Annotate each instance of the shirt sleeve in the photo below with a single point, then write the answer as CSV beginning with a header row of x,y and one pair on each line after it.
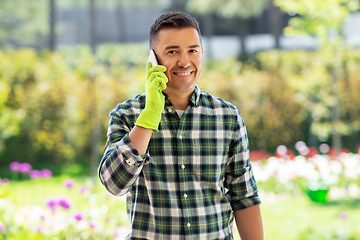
x,y
121,164
240,182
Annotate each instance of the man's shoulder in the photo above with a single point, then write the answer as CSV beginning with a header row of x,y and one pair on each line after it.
x,y
132,105
216,102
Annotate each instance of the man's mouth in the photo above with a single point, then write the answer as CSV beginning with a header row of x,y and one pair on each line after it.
x,y
182,73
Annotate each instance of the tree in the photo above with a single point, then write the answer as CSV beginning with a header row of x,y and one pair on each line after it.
x,y
275,23
324,20
9,117
52,24
242,10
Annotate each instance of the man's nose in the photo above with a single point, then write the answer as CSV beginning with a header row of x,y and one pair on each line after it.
x,y
184,61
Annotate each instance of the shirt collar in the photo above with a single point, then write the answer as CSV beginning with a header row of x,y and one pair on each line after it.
x,y
194,99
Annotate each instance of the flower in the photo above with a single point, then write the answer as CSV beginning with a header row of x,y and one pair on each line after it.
x,y
324,148
64,202
343,216
14,166
259,154
33,174
357,148
46,173
91,225
78,216
2,227
300,145
69,183
281,150
5,181
51,202
83,189
25,167
312,151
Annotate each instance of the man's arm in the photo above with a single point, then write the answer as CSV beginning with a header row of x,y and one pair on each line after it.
x,y
249,223
140,138
124,152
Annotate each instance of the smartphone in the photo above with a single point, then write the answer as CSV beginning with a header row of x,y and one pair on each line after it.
x,y
152,58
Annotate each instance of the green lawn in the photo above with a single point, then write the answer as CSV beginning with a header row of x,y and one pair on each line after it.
x,y
299,218
284,216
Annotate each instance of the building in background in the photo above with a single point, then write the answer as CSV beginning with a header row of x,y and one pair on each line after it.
x,y
132,26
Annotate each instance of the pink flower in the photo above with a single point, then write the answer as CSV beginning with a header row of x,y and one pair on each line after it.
x,y
25,167
78,216
83,189
69,183
2,227
64,202
46,173
91,225
5,181
281,150
51,202
14,166
33,174
343,216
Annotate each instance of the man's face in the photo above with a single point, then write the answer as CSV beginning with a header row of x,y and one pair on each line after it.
x,y
180,51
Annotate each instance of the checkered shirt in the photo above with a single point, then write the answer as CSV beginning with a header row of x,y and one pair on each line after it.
x,y
195,173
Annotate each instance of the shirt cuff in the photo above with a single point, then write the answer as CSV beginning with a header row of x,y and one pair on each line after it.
x,y
245,203
134,159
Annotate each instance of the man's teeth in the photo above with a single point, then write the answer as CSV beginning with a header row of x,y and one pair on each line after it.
x,y
183,74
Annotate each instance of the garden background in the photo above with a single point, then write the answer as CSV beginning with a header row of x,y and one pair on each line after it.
x,y
300,108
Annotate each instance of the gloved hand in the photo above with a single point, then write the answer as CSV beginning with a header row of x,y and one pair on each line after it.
x,y
150,117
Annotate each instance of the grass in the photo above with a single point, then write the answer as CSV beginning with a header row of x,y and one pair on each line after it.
x,y
284,216
297,216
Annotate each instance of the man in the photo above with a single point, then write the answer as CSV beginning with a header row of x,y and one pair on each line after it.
x,y
180,154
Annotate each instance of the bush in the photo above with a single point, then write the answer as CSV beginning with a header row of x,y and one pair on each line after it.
x,y
59,102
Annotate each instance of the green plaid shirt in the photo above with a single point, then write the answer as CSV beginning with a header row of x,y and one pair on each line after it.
x,y
195,174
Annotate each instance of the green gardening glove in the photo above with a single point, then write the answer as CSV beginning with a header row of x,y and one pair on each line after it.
x,y
156,81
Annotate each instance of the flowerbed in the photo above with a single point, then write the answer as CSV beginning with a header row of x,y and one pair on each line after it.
x,y
82,209
71,211
309,171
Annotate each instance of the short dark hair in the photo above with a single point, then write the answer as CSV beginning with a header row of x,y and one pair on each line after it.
x,y
172,20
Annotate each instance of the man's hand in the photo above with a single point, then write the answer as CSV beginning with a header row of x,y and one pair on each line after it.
x,y
156,81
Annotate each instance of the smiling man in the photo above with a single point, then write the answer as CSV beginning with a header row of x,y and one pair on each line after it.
x,y
180,154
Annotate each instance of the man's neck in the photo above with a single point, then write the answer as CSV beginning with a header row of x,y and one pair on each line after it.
x,y
179,101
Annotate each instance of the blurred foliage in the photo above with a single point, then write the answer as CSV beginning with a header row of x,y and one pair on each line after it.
x,y
322,19
59,96
306,73
326,21
51,101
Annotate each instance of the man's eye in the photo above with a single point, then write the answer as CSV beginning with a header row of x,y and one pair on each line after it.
x,y
193,51
172,51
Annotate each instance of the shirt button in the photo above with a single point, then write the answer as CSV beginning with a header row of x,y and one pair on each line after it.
x,y
188,225
185,195
183,166
170,110
180,137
